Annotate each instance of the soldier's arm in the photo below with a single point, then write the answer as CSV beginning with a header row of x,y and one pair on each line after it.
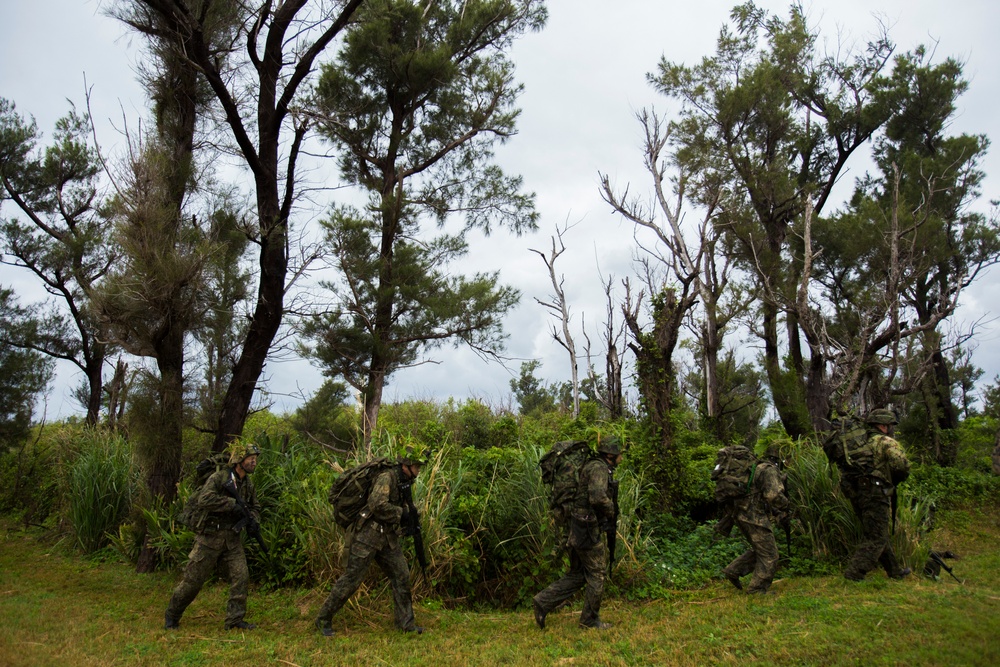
x,y
252,501
213,498
596,478
379,506
899,466
773,489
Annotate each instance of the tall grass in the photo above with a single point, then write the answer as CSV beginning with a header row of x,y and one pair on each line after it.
x,y
826,517
102,481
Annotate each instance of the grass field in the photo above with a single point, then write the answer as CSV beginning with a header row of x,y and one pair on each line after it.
x,y
57,608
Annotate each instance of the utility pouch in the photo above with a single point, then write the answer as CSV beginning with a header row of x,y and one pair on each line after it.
x,y
584,532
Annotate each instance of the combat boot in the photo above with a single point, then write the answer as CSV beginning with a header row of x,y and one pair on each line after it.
x,y
901,574
419,629
539,615
325,628
170,623
599,625
733,579
241,625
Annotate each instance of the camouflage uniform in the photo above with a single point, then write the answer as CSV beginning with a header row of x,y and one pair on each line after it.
x,y
215,541
871,496
376,537
755,515
592,510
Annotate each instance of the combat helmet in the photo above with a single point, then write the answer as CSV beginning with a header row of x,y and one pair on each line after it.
x,y
414,454
240,451
609,446
881,416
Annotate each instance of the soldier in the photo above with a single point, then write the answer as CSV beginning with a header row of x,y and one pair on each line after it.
x,y
376,536
592,515
871,487
755,514
218,520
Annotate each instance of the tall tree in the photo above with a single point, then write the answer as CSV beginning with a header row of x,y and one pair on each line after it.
x,y
271,53
24,373
415,103
62,239
776,122
912,228
559,308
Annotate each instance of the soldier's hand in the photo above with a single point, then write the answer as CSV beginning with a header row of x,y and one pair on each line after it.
x,y
253,526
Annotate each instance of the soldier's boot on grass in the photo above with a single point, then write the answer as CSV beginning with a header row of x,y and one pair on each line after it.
x,y
170,623
539,614
325,627
733,578
901,573
241,625
599,625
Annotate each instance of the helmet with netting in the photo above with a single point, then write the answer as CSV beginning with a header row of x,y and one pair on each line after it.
x,y
240,451
882,416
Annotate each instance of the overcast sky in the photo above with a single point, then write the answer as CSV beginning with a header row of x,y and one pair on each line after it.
x,y
585,78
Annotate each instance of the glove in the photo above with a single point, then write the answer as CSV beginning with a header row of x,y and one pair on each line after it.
x,y
253,526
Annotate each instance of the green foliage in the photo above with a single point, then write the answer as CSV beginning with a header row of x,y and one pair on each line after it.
x,y
951,487
29,477
103,482
24,373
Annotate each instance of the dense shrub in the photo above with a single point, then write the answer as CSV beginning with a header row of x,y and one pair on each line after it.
x,y
102,483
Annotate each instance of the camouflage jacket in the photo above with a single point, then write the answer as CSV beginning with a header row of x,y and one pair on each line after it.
x,y
889,459
592,498
379,523
766,502
216,509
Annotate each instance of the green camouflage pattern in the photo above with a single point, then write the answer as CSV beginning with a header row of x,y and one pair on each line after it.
x,y
588,554
871,498
755,516
216,542
376,538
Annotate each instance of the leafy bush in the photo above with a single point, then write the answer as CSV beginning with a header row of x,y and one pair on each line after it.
x,y
103,481
952,487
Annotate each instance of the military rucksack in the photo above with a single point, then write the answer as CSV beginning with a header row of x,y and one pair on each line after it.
x,y
349,492
191,514
846,444
561,466
733,472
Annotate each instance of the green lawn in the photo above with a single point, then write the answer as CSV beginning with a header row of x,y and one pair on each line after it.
x,y
61,609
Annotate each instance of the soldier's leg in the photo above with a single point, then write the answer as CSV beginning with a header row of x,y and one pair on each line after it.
x,y
200,565
744,563
393,563
565,587
873,511
357,564
239,578
595,565
766,551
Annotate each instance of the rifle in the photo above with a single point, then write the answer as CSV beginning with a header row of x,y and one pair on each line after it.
x,y
892,501
612,530
936,557
248,522
411,524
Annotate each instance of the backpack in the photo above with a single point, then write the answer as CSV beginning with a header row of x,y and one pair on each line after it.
x,y
846,445
349,492
191,515
561,466
733,472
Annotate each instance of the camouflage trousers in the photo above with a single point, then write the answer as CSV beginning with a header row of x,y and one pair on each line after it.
x,y
761,558
587,568
208,551
389,556
873,508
